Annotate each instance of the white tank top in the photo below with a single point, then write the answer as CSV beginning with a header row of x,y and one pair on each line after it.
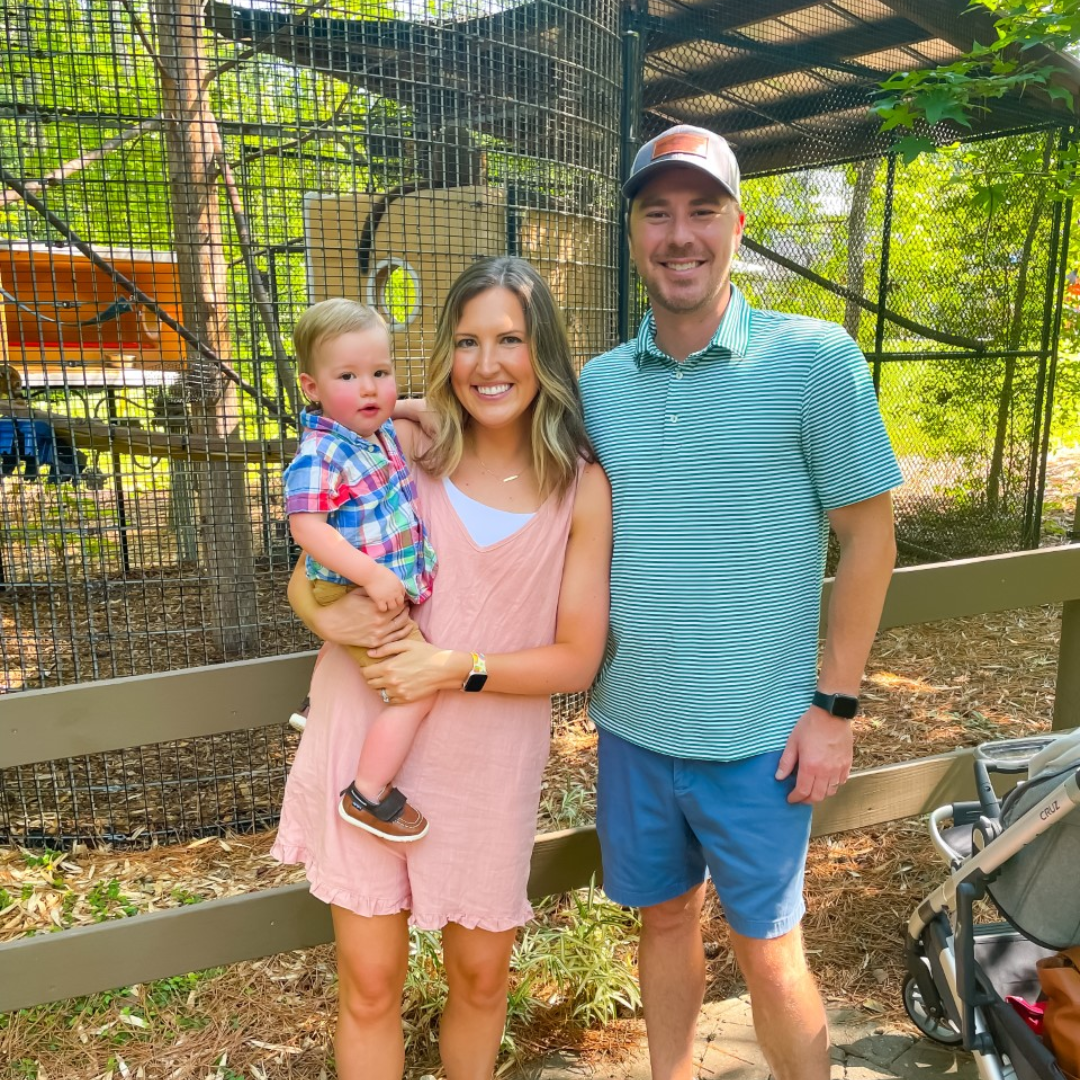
x,y
484,524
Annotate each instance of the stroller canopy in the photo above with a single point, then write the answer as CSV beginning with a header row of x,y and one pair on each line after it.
x,y
1038,889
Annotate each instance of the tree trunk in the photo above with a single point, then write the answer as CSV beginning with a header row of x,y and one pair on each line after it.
x,y
225,528
1016,326
865,171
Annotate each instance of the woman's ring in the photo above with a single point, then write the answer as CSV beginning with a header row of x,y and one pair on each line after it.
x,y
385,696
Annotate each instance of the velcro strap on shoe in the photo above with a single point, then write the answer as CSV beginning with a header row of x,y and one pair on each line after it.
x,y
387,809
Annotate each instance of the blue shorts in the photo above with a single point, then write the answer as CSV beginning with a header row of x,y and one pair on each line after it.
x,y
663,820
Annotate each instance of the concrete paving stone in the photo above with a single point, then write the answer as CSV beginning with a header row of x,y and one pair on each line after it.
x,y
856,1068
881,1049
718,1064
734,1011
726,1049
848,1027
843,1017
928,1059
718,1008
739,1042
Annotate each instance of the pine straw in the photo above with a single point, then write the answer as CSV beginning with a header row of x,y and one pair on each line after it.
x,y
930,690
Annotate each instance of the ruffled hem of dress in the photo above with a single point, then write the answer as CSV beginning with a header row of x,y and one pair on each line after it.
x,y
424,920
329,893
368,906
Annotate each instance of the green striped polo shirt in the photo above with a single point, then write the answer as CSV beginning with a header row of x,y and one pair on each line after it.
x,y
722,469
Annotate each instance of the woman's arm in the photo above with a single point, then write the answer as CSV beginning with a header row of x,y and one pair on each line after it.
x,y
416,669
352,620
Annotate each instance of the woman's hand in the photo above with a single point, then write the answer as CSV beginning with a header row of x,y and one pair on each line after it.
x,y
352,620
415,669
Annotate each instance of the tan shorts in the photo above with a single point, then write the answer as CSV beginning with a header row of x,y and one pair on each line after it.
x,y
329,592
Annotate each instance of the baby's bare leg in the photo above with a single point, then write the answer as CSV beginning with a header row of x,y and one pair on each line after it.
x,y
387,745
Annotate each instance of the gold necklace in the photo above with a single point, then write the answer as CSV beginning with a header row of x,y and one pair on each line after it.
x,y
496,476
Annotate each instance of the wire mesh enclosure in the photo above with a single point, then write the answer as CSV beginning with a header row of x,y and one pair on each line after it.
x,y
181,179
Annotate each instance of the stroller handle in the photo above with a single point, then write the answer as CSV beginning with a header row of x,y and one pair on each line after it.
x,y
945,849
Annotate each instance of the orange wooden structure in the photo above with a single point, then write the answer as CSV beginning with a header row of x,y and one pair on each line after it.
x,y
66,322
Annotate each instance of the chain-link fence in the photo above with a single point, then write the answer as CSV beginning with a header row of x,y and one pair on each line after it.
x,y
180,180
949,307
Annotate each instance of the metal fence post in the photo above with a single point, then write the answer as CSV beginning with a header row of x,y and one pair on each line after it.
x,y
630,125
1067,692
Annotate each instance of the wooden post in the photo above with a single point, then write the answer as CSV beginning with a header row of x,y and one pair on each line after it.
x,y
1067,692
191,134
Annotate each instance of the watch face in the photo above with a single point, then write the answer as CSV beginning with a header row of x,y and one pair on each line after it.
x,y
845,707
475,682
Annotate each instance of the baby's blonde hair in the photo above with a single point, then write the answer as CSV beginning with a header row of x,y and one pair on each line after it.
x,y
327,320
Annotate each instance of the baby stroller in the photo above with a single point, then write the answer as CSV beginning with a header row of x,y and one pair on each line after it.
x,y
1024,853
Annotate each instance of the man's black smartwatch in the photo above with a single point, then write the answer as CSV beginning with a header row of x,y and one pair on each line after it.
x,y
843,705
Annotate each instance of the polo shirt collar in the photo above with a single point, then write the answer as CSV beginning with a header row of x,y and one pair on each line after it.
x,y
732,337
313,421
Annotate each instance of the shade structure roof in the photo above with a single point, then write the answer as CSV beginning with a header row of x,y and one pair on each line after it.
x,y
789,82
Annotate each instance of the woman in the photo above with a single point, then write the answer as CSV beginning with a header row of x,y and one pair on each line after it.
x,y
521,519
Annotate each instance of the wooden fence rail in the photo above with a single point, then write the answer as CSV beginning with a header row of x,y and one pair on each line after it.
x,y
115,714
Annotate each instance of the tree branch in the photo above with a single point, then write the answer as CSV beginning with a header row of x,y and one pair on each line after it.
x,y
144,37
292,144
64,172
286,378
248,53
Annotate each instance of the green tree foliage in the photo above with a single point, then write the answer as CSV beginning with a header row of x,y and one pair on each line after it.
x,y
1017,63
76,75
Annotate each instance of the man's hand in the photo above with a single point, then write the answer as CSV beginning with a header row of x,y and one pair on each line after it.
x,y
818,751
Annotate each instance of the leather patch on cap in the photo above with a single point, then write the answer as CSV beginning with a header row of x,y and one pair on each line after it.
x,y
681,142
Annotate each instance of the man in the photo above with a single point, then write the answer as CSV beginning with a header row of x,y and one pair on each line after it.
x,y
733,438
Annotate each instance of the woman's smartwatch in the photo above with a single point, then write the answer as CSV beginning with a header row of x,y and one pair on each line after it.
x,y
842,705
476,678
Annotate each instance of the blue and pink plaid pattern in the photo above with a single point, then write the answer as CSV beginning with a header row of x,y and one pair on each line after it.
x,y
364,488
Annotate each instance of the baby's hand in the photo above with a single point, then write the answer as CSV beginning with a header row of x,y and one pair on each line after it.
x,y
386,590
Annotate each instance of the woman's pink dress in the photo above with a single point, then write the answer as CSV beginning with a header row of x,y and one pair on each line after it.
x,y
476,765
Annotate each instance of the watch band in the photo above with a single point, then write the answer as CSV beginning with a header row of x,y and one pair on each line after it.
x,y
474,681
843,706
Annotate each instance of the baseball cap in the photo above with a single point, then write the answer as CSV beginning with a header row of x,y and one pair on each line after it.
x,y
685,145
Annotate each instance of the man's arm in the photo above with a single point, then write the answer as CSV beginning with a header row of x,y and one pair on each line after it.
x,y
820,746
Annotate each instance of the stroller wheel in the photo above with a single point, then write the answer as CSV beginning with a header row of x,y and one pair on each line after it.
x,y
938,1028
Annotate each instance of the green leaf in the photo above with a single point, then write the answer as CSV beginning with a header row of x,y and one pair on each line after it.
x,y
901,116
991,197
1059,93
944,106
912,146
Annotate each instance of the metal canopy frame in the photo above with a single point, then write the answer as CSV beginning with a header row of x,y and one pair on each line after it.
x,y
789,82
